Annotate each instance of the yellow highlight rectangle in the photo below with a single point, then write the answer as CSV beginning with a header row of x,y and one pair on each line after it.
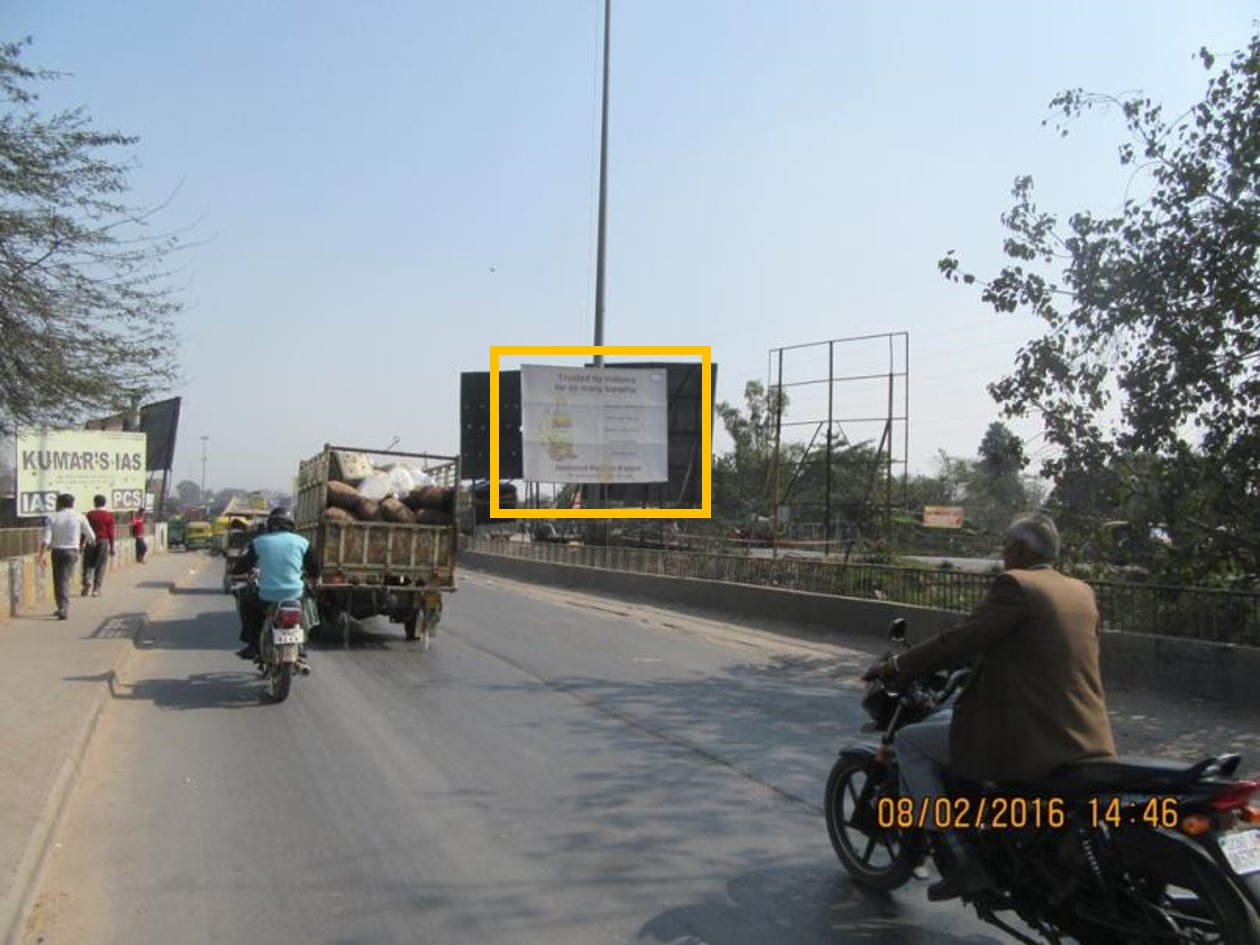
x,y
704,352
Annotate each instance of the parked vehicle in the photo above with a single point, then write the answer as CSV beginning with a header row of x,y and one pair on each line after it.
x,y
384,527
1125,850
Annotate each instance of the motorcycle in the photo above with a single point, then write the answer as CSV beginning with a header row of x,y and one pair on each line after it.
x,y
281,645
1122,851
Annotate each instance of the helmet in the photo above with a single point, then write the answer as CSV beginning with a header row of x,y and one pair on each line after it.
x,y
280,519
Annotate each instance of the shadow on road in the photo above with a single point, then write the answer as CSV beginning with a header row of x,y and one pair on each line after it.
x,y
230,690
119,627
233,690
199,591
370,634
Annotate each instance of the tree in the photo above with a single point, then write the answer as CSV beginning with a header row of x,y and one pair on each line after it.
x,y
188,491
1148,377
995,488
85,304
740,478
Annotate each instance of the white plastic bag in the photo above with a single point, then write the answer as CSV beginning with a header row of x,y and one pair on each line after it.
x,y
375,486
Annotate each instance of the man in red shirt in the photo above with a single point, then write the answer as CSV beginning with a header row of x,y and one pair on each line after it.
x,y
96,555
137,532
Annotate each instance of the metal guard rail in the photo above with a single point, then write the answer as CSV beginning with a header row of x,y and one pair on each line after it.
x,y
1166,610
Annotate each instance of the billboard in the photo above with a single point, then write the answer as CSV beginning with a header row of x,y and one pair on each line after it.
x,y
84,463
474,425
686,424
594,424
159,421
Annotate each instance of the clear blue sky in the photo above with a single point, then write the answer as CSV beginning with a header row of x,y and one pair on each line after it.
x,y
379,191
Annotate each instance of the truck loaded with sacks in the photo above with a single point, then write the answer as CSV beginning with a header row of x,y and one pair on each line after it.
x,y
384,528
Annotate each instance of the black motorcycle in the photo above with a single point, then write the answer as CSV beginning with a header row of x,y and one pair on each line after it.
x,y
1125,851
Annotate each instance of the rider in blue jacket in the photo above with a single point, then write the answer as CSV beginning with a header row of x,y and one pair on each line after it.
x,y
282,558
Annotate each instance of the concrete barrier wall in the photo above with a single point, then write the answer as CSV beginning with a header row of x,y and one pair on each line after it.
x,y
1216,671
26,587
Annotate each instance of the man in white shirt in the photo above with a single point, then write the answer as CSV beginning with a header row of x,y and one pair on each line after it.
x,y
65,532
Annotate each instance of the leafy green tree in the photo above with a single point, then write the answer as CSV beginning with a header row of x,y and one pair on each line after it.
x,y
188,491
741,477
85,304
1148,375
995,487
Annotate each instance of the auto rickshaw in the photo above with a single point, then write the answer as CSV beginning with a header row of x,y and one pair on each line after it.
x,y
198,535
241,530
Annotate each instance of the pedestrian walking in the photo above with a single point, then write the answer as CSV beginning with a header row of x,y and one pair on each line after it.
x,y
137,532
96,555
65,532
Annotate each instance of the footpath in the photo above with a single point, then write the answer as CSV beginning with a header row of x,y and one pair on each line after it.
x,y
54,684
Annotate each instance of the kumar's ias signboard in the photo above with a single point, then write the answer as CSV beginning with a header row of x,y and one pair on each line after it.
x,y
84,463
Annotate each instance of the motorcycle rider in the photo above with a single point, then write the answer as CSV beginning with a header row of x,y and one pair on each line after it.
x,y
1035,698
282,558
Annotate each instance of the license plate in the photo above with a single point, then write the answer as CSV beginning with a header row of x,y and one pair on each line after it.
x,y
1242,850
283,637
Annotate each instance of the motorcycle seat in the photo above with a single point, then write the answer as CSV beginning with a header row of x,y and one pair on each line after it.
x,y
1081,779
1135,773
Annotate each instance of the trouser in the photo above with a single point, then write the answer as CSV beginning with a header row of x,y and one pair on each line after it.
x,y
253,612
142,549
95,561
923,756
63,563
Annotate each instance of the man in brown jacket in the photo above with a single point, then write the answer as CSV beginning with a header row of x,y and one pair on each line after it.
x,y
1035,698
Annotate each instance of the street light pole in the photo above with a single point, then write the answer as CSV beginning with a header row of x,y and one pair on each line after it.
x,y
603,194
204,441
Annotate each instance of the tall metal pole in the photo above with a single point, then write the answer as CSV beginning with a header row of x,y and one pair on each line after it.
x,y
831,389
204,441
603,192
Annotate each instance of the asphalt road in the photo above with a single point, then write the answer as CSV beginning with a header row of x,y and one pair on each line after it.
x,y
554,770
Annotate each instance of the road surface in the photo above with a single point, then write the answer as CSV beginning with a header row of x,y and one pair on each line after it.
x,y
558,769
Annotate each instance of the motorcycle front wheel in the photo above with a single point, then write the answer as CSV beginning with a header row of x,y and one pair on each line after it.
x,y
876,858
279,679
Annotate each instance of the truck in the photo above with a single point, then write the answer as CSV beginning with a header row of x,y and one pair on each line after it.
x,y
383,549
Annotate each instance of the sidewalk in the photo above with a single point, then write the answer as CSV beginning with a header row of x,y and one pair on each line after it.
x,y
54,678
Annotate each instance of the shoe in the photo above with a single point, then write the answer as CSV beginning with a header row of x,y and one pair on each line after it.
x,y
248,652
964,880
96,592
62,615
85,592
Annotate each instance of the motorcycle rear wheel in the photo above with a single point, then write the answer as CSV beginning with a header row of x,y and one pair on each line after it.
x,y
279,680
875,858
1212,914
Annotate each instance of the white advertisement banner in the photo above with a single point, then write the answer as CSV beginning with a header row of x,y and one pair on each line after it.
x,y
84,463
594,424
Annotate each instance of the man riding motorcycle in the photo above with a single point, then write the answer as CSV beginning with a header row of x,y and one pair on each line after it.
x,y
282,558
1035,698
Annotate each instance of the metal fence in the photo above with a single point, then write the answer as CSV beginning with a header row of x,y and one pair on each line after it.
x,y
1197,613
16,542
